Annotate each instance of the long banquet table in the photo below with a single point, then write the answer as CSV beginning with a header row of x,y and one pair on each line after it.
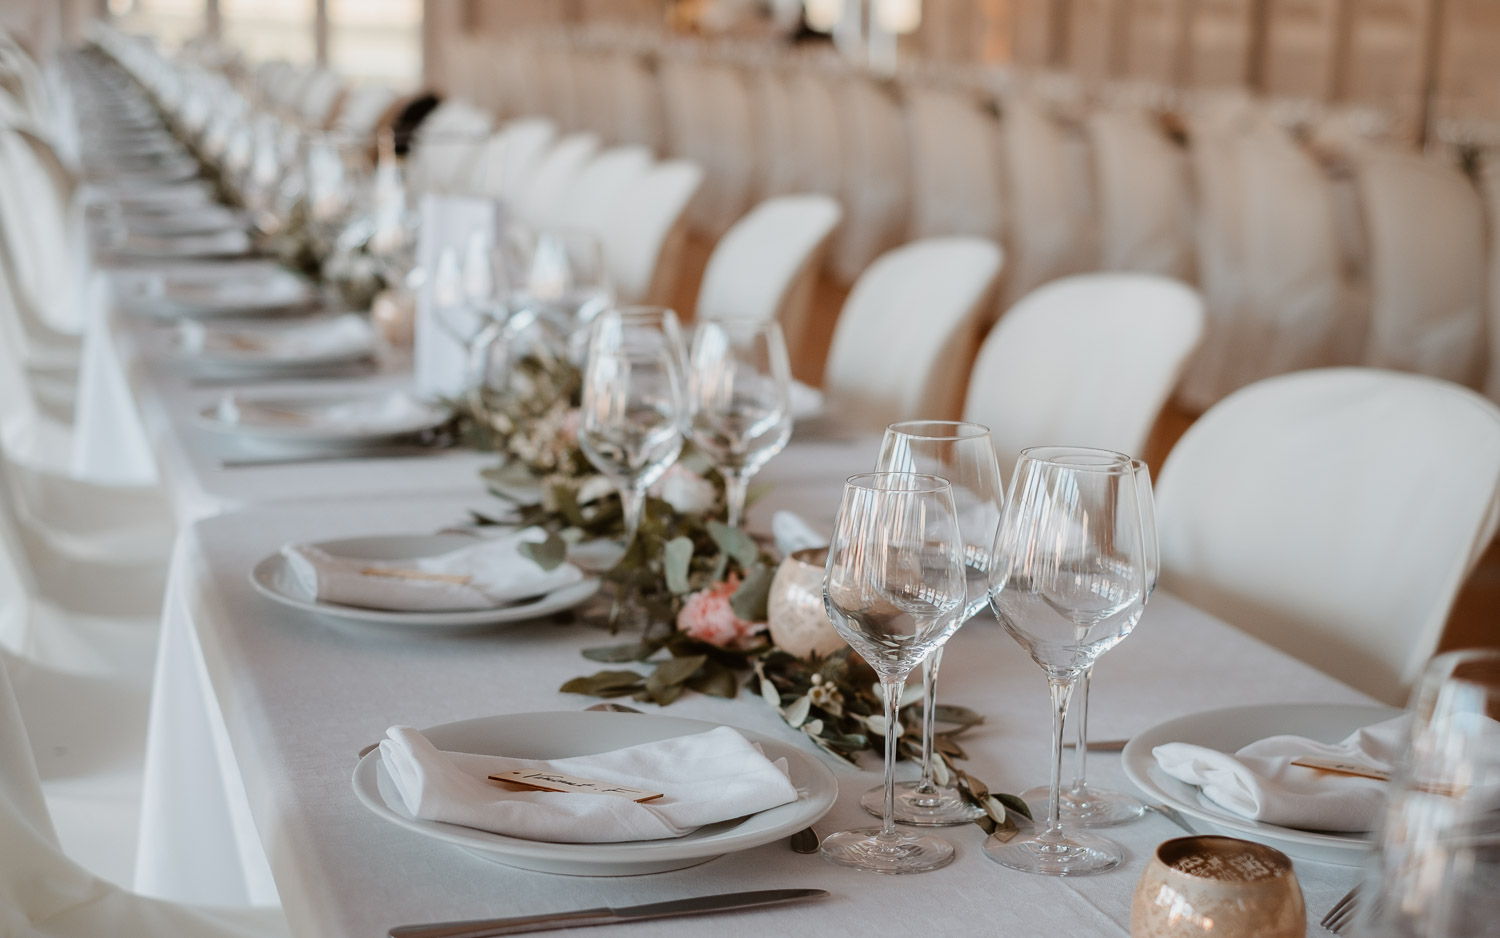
x,y
259,713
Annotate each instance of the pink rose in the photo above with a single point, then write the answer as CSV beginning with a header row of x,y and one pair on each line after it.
x,y
571,423
708,617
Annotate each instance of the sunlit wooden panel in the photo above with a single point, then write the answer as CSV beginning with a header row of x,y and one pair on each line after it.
x,y
1218,49
1387,48
1155,33
1093,40
376,40
270,29
170,21
1469,72
1300,48
1031,32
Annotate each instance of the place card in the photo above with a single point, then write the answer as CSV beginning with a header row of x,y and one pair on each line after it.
x,y
1343,767
395,573
556,781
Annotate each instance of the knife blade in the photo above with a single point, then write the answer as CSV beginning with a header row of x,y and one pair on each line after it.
x,y
722,902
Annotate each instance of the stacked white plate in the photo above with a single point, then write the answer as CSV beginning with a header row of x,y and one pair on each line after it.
x,y
224,289
320,421
273,348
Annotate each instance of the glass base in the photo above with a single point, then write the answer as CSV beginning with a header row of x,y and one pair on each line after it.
x,y
1087,806
1075,853
942,808
865,849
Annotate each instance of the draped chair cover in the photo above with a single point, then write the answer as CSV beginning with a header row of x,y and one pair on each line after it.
x,y
1144,193
818,146
776,135
1050,225
44,894
1268,260
1490,186
728,144
321,97
41,220
877,165
1426,235
1334,513
1088,360
539,202
450,146
765,265
907,334
955,165
363,109
593,195
511,156
636,101
644,235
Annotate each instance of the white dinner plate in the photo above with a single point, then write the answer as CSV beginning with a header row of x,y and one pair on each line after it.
x,y
238,288
272,579
578,733
262,348
219,244
1233,728
194,219
321,420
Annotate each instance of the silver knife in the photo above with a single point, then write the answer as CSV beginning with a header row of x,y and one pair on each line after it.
x,y
484,928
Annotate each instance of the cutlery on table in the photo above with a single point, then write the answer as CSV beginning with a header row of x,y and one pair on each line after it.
x,y
1171,814
1342,912
484,928
395,452
1101,745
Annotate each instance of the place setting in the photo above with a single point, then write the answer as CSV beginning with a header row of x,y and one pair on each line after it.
x,y
217,289
282,348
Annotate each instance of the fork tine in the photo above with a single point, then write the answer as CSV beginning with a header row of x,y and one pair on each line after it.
x,y
1342,912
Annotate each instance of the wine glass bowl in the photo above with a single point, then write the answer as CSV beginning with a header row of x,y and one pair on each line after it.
x,y
895,591
1068,582
739,381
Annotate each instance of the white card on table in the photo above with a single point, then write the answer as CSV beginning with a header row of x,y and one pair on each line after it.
x,y
450,224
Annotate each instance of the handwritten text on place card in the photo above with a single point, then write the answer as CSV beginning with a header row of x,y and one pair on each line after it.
x,y
556,781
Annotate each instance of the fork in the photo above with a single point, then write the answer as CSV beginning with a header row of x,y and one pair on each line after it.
x,y
1342,913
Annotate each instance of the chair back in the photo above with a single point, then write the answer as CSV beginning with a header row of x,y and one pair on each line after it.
x,y
955,165
909,329
1334,513
1051,224
592,196
644,235
540,201
765,266
877,164
1426,236
1144,196
1489,182
1087,360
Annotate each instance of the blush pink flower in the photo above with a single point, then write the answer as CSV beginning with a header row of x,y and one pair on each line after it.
x,y
708,617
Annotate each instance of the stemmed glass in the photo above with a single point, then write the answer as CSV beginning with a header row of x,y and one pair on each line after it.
x,y
738,400
1068,582
894,590
633,402
963,454
564,280
1083,804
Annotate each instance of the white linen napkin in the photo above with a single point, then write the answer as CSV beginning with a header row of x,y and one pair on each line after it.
x,y
497,574
1259,781
706,778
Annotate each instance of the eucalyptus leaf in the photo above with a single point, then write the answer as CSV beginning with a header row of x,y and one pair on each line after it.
x,y
619,654
749,602
734,542
677,670
716,680
994,809
950,713
1013,803
940,773
677,557
602,681
548,554
664,694
797,713
769,692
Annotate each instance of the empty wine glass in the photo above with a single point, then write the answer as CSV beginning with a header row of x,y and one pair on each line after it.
x,y
1436,866
633,402
564,278
963,454
894,590
1068,582
1082,804
740,411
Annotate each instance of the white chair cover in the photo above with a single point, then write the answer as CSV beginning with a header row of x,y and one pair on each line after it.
x,y
1426,231
1145,211
644,235
321,96
40,219
1050,223
512,156
1268,261
1088,360
766,265
818,146
449,147
1490,186
956,167
592,196
43,894
362,109
909,330
728,142
777,134
1334,513
540,202
878,172
637,102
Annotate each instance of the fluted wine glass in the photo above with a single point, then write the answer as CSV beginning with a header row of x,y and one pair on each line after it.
x,y
963,454
1068,582
1082,804
633,402
894,589
739,384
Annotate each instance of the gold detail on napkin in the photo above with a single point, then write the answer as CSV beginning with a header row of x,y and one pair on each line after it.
x,y
556,781
1362,770
395,573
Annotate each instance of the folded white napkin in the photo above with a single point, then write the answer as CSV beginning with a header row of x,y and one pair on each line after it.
x,y
394,413
706,778
1259,781
497,574
804,401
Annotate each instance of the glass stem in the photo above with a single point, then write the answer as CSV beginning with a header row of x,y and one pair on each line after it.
x,y
632,503
735,486
1081,718
892,687
1061,686
929,718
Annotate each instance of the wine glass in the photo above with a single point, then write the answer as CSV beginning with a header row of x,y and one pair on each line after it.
x,y
894,590
633,402
738,403
1081,803
1437,863
1068,582
963,454
564,279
